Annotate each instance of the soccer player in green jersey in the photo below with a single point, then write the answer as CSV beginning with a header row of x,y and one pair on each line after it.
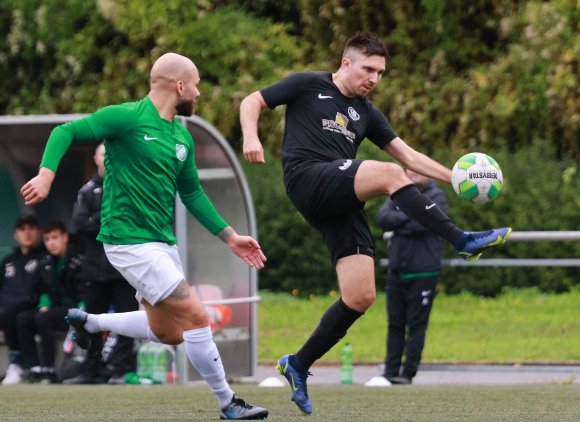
x,y
150,158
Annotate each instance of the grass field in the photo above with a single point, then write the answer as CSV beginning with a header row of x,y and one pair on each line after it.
x,y
518,326
552,402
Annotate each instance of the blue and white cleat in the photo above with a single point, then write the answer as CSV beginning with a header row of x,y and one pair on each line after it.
x,y
297,381
77,319
238,409
474,243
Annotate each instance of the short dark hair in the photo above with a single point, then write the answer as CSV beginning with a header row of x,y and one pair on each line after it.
x,y
26,220
54,225
366,43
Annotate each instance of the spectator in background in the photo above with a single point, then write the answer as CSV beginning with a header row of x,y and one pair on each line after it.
x,y
60,290
19,288
104,285
414,265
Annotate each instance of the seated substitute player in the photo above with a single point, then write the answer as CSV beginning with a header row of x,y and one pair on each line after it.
x,y
61,289
328,115
19,289
149,158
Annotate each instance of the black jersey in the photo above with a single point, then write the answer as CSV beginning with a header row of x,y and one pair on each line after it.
x,y
321,123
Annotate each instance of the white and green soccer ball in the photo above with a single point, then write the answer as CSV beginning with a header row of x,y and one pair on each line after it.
x,y
477,178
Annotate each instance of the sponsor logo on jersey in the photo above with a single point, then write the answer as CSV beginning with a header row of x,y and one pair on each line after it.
x,y
339,125
180,152
353,114
148,138
324,97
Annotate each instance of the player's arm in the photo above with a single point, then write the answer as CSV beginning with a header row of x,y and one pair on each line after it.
x,y
199,205
250,108
282,92
417,161
60,139
106,123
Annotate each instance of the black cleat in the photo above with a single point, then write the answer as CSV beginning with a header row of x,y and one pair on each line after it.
x,y
77,319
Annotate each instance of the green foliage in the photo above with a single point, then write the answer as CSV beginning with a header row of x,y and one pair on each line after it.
x,y
499,77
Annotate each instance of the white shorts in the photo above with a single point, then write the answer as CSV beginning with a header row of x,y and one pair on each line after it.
x,y
153,269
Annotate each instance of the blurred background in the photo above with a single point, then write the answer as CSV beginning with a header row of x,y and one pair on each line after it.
x,y
489,76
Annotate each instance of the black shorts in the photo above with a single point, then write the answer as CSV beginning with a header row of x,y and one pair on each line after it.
x,y
324,195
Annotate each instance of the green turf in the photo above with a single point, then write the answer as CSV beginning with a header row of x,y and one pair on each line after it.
x,y
549,402
519,326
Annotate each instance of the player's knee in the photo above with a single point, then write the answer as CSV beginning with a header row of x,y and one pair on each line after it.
x,y
363,301
368,299
392,176
396,173
172,338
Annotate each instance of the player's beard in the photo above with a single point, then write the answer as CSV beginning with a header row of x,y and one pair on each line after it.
x,y
185,108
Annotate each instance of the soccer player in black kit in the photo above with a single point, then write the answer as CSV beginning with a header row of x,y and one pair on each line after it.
x,y
327,117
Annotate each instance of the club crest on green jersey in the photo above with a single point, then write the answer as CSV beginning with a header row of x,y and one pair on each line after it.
x,y
180,152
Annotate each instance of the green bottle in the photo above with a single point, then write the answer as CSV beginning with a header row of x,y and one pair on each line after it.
x,y
346,361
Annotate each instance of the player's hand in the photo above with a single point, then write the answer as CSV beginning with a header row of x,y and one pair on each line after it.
x,y
253,151
36,189
247,248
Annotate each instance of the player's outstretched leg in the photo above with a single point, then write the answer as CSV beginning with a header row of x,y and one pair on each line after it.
x,y
472,244
297,381
77,319
240,409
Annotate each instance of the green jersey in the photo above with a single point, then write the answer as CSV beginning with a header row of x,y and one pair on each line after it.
x,y
147,159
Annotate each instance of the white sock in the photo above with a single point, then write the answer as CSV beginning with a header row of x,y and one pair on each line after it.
x,y
205,358
129,324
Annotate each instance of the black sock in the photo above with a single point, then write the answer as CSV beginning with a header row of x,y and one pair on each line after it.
x,y
332,327
421,209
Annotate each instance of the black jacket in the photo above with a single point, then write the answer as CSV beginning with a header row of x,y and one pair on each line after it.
x,y
414,249
64,291
19,279
85,224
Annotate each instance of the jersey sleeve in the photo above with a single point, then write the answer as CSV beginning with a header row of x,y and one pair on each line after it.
x,y
286,90
379,131
107,123
195,199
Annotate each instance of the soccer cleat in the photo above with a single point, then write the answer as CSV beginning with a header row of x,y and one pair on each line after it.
x,y
240,409
477,242
77,319
297,381
400,380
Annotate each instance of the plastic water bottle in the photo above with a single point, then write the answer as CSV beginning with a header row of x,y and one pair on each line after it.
x,y
143,360
150,365
346,361
161,363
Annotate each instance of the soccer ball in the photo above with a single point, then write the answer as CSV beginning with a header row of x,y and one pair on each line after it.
x,y
477,178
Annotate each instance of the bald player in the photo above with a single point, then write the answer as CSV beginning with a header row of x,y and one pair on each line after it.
x,y
149,158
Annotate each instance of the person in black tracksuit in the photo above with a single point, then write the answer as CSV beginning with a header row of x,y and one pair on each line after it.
x,y
104,286
19,288
61,289
414,265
